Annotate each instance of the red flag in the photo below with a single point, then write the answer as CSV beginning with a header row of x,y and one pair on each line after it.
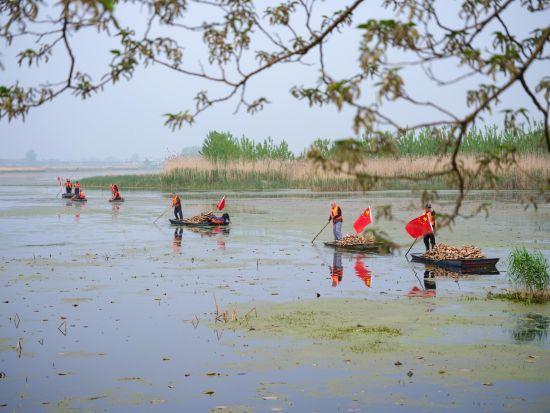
x,y
419,226
364,219
221,204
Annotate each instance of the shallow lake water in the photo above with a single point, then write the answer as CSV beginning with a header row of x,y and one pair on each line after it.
x,y
100,309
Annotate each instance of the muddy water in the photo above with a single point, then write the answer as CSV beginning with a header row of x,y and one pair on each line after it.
x,y
102,309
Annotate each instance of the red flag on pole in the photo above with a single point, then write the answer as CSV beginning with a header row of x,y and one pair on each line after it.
x,y
364,219
221,204
419,226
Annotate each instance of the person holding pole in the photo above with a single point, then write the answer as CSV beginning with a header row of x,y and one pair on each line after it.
x,y
337,219
429,237
176,203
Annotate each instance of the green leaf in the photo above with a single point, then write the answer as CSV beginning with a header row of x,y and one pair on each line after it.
x,y
108,5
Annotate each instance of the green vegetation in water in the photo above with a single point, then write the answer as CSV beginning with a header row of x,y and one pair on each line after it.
x,y
528,272
219,177
450,335
521,297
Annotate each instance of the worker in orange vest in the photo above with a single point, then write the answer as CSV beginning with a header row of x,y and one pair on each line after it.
x,y
337,219
76,188
429,238
176,203
68,186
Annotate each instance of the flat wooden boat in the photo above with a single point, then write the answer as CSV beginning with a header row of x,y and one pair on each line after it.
x,y
79,199
372,247
185,223
465,265
66,195
116,201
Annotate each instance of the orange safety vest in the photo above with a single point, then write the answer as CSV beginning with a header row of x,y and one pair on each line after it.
x,y
176,201
77,185
68,184
82,195
334,214
431,217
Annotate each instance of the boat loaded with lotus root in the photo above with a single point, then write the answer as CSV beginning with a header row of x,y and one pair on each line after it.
x,y
353,242
466,259
204,219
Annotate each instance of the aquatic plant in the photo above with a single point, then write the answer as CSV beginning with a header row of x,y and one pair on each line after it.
x,y
528,270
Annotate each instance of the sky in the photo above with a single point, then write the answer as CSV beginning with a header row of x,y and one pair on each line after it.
x,y
126,118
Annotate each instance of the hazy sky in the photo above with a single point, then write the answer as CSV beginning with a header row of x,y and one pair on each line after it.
x,y
127,118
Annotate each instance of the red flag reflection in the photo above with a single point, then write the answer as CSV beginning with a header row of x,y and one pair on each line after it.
x,y
362,272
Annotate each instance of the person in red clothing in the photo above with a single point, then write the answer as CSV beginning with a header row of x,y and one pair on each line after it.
x,y
76,188
176,203
223,220
68,186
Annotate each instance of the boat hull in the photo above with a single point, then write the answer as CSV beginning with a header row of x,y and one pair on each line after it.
x,y
376,248
184,223
476,265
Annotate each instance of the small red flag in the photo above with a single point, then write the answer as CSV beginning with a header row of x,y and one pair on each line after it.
x,y
419,226
364,219
221,204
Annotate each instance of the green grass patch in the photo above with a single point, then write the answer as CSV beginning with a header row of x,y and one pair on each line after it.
x,y
346,333
521,297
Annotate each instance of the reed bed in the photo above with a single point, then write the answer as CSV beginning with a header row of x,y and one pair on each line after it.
x,y
197,173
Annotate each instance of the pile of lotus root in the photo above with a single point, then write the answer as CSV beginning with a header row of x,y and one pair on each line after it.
x,y
352,239
198,219
448,252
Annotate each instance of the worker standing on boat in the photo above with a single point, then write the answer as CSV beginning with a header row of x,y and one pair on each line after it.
x,y
337,219
68,186
76,188
176,203
116,196
429,237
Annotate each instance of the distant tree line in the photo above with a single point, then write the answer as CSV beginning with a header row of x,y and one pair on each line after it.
x,y
223,146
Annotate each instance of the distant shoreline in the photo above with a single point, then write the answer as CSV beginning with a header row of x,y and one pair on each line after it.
x,y
201,174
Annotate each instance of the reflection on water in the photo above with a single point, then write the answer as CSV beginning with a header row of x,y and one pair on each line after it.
x,y
115,209
336,270
362,272
209,231
427,286
176,244
533,327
